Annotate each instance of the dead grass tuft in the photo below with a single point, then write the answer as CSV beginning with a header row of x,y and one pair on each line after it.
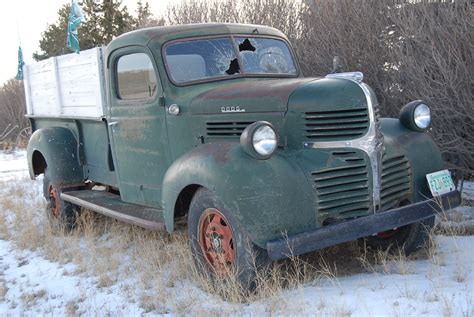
x,y
30,299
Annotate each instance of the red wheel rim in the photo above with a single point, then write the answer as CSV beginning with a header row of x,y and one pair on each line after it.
x,y
53,201
216,240
388,234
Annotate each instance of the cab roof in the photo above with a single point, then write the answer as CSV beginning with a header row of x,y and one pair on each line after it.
x,y
162,34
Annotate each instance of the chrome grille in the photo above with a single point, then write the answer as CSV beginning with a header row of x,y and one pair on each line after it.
x,y
336,125
226,129
343,191
396,181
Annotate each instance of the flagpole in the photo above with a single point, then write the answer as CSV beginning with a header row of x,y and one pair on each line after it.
x,y
18,31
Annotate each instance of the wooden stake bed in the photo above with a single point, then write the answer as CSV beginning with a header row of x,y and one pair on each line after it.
x,y
111,205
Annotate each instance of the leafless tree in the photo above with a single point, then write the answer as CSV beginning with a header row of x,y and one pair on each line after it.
x,y
12,108
406,49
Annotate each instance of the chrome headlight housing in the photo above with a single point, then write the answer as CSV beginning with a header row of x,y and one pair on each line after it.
x,y
259,140
416,116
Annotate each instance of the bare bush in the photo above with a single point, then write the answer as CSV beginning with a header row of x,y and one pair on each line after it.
x,y
435,62
282,14
13,124
407,50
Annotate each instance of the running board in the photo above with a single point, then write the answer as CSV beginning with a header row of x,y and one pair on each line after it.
x,y
111,205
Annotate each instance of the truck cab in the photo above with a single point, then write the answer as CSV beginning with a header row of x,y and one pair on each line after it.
x,y
216,125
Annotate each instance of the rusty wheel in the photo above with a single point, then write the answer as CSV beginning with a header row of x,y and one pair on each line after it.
x,y
216,240
61,214
53,202
387,234
218,243
408,238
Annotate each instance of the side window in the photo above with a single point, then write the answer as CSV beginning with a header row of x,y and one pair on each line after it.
x,y
136,78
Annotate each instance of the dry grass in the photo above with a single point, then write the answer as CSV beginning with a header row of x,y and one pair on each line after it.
x,y
30,299
161,265
162,262
386,261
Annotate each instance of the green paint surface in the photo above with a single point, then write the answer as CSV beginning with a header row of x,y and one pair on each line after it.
x,y
152,156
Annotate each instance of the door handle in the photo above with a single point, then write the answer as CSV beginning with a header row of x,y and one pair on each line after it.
x,y
112,123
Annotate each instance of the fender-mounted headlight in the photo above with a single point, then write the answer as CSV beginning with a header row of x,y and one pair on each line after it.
x,y
259,140
416,116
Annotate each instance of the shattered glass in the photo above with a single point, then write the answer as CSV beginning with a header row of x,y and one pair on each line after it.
x,y
217,57
265,56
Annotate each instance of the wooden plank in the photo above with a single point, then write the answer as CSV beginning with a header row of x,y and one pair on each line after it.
x,y
57,84
26,83
41,66
100,79
80,112
71,85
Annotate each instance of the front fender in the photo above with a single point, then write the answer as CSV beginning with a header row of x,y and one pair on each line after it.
x,y
59,148
264,195
419,148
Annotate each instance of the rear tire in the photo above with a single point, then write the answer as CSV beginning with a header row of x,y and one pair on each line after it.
x,y
219,245
408,239
61,214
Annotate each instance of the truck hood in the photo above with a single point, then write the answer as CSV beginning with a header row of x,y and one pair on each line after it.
x,y
250,96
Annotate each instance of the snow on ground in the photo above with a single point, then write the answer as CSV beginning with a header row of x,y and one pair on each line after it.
x,y
13,165
441,284
468,190
35,286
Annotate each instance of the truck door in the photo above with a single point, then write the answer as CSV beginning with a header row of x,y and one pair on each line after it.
x,y
137,125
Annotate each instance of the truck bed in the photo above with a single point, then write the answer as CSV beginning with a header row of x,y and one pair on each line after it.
x,y
71,85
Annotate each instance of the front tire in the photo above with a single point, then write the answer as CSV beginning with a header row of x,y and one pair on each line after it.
x,y
61,214
219,245
408,239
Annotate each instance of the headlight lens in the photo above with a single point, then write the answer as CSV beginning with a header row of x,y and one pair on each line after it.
x,y
422,116
264,140
259,140
416,116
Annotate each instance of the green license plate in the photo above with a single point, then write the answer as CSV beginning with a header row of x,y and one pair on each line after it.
x,y
440,183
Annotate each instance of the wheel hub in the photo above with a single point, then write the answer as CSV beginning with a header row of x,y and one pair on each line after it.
x,y
216,243
216,240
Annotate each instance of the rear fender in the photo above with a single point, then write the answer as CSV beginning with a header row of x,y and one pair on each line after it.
x,y
57,148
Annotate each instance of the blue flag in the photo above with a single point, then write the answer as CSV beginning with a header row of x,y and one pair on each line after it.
x,y
19,74
76,17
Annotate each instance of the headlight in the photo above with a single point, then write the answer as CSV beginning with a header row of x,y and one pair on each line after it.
x,y
416,116
259,140
422,116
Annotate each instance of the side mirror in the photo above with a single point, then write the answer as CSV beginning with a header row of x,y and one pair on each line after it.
x,y
337,65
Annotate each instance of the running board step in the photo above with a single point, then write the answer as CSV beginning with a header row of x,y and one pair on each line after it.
x,y
111,205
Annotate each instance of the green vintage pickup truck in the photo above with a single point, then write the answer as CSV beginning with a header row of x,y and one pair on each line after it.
x,y
216,126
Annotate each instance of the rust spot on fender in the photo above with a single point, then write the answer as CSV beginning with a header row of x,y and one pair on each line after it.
x,y
218,151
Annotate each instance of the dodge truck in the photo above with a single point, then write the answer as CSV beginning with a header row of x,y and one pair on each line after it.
x,y
215,126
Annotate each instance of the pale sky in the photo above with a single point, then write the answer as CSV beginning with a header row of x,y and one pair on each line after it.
x,y
33,17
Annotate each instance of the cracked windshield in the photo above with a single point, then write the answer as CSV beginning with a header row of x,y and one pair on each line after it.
x,y
201,59
206,59
265,56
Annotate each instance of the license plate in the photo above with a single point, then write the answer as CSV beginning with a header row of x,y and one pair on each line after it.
x,y
440,183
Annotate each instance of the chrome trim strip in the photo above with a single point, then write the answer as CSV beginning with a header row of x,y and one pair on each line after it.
x,y
371,143
356,77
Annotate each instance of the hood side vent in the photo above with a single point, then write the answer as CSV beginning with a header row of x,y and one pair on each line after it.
x,y
343,191
335,125
396,181
226,129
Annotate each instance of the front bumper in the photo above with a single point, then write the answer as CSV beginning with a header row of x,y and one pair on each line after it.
x,y
361,227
